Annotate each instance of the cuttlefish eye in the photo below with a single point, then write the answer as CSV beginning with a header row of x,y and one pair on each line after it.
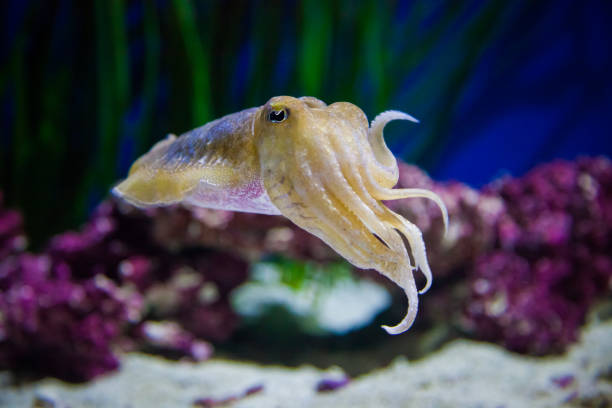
x,y
278,116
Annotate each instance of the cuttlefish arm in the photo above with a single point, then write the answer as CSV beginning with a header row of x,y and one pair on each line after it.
x,y
321,166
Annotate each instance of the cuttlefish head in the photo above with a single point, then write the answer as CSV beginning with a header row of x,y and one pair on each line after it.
x,y
279,125
326,170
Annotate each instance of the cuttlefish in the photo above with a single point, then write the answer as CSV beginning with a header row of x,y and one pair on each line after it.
x,y
321,166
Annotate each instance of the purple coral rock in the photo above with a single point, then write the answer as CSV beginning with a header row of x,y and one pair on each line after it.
x,y
552,257
137,270
472,215
90,288
250,235
517,303
54,325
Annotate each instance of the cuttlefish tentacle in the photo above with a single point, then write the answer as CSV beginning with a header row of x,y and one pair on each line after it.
x,y
323,167
384,158
355,197
400,272
343,183
380,192
297,190
415,240
313,190
307,196
379,184
399,193
405,280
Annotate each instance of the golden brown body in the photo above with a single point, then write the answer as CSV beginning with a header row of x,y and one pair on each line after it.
x,y
321,166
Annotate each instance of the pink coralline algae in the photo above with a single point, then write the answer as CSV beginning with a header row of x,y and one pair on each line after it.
x,y
110,286
472,215
524,258
52,324
250,235
551,260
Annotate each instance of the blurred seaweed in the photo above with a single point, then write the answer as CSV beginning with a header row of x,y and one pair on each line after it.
x,y
86,87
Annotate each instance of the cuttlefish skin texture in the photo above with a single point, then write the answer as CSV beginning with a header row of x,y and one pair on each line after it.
x,y
322,166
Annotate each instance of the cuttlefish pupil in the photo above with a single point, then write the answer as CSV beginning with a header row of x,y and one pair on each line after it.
x,y
322,166
278,116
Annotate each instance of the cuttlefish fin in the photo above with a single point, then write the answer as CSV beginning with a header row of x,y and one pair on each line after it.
x,y
150,187
147,185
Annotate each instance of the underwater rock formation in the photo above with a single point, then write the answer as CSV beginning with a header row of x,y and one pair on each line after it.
x,y
53,324
525,257
552,257
248,234
523,261
112,286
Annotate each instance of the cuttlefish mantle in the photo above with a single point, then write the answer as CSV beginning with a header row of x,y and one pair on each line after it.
x,y
322,166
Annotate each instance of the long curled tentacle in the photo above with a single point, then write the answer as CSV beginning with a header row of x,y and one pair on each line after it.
x,y
417,246
356,197
405,280
401,271
372,192
399,193
376,138
380,191
384,166
384,156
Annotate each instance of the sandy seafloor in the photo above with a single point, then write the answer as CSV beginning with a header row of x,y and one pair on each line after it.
x,y
461,374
